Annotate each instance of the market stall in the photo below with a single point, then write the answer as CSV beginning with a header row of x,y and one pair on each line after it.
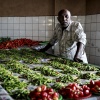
x,y
24,72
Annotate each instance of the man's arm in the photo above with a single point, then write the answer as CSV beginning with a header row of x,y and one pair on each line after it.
x,y
81,42
79,51
52,41
46,47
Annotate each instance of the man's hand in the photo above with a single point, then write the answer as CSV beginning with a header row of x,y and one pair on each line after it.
x,y
42,50
45,48
77,59
79,51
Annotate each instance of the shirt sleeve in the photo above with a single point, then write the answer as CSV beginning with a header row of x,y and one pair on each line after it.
x,y
81,36
54,39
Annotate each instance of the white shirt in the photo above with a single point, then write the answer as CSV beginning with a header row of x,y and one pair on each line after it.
x,y
68,38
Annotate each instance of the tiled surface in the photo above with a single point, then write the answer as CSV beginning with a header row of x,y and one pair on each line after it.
x,y
41,28
81,19
75,18
88,19
98,17
93,18
88,35
92,51
93,43
87,50
92,59
88,42
98,35
98,26
98,51
27,27
97,60
93,35
98,43
92,26
87,27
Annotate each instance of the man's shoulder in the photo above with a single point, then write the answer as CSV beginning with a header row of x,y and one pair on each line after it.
x,y
76,24
58,25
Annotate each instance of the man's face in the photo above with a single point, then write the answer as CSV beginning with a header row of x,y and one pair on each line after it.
x,y
64,18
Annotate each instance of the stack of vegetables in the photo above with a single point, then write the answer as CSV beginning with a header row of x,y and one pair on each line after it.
x,y
9,44
20,69
4,39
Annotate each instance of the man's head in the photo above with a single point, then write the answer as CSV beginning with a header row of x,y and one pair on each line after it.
x,y
64,17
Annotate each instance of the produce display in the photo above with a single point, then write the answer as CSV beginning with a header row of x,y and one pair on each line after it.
x,y
4,39
10,44
74,91
27,74
94,86
44,93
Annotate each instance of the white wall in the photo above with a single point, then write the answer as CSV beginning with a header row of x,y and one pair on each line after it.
x,y
36,28
92,29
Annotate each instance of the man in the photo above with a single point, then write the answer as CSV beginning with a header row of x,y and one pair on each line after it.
x,y
70,36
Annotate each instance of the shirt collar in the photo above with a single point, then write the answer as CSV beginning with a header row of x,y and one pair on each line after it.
x,y
68,28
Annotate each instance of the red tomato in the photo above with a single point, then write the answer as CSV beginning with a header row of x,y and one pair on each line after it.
x,y
37,94
94,90
38,89
75,84
55,94
97,83
86,92
49,99
33,98
68,91
43,87
49,96
31,93
81,94
75,96
50,90
92,83
55,98
37,99
44,94
73,87
85,87
69,85
80,89
44,98
71,95
63,93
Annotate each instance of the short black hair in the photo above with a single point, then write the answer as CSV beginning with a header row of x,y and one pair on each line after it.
x,y
63,10
60,12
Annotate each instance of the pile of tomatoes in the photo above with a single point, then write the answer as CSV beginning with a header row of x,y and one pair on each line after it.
x,y
74,90
44,93
94,86
18,43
